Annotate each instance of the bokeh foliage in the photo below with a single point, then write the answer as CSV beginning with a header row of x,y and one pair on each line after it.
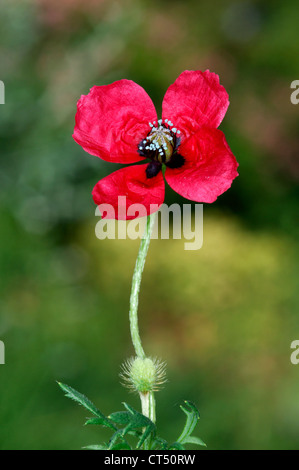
x,y
223,317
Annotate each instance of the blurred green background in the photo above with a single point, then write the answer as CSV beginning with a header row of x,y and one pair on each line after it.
x,y
223,317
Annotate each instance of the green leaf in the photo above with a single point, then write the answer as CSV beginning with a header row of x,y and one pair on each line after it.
x,y
159,444
121,446
133,420
192,418
120,417
98,421
96,447
176,446
130,408
148,430
79,398
192,414
135,424
84,401
138,419
194,440
117,435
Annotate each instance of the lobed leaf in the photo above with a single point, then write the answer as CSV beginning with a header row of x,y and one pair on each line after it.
x,y
136,424
192,414
86,403
120,417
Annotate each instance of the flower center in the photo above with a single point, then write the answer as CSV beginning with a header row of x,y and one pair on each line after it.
x,y
161,142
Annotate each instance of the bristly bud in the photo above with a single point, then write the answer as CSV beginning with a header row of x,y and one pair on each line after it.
x,y
143,375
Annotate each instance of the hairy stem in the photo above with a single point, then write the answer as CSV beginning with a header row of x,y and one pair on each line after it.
x,y
136,281
147,400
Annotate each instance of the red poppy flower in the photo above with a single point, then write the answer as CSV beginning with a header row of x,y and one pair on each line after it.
x,y
118,123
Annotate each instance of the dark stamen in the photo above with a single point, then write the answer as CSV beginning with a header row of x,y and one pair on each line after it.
x,y
153,169
176,161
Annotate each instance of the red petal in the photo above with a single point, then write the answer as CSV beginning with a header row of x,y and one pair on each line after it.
x,y
112,119
133,187
194,100
209,167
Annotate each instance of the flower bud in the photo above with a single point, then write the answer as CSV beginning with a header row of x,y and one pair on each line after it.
x,y
143,375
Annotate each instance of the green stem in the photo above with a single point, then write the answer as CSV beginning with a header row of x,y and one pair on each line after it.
x,y
148,405
136,281
147,400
